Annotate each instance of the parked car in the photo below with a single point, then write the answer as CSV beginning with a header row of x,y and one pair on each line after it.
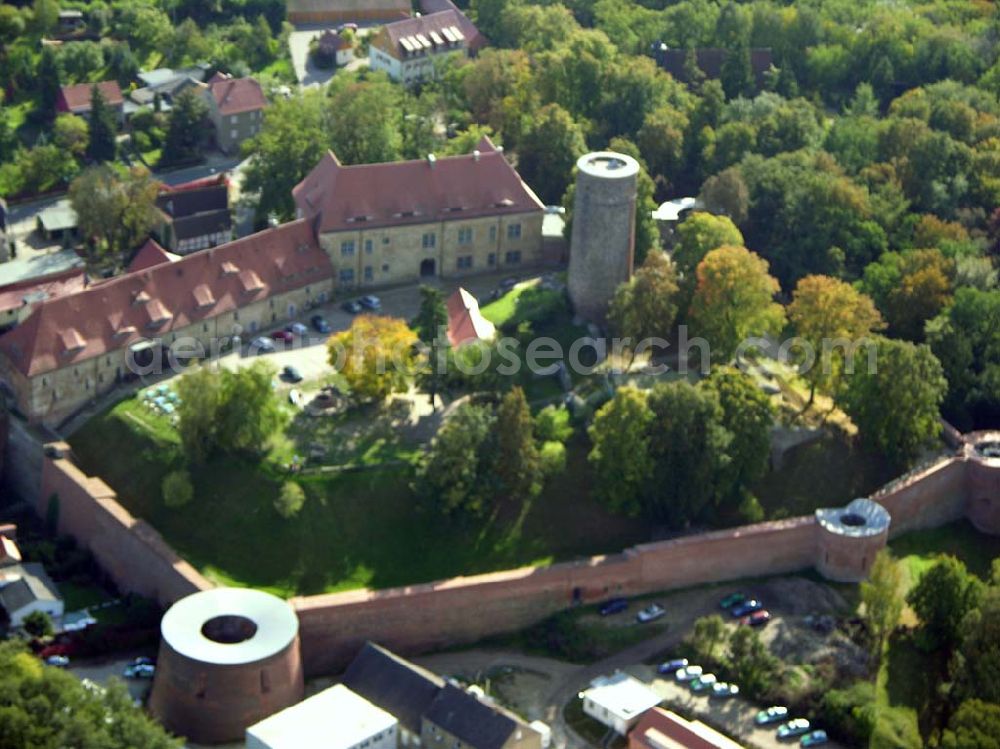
x,y
672,666
772,715
688,673
142,661
297,328
139,671
291,374
747,608
507,284
703,683
793,728
59,661
319,323
614,606
651,613
262,345
282,335
733,599
814,738
351,307
371,302
757,618
555,210
348,27
725,689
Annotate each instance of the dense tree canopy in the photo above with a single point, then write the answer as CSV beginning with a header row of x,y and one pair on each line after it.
x,y
895,398
46,708
733,300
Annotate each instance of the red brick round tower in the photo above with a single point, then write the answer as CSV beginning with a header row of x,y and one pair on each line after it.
x,y
229,658
849,539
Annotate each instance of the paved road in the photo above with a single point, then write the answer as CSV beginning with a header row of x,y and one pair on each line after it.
x,y
103,670
306,72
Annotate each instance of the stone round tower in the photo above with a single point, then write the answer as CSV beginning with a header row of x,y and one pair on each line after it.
x,y
602,246
228,658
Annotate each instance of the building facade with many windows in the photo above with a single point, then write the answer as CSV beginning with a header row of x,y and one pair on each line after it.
x,y
385,224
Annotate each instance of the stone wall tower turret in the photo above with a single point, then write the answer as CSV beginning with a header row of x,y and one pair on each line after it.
x,y
602,246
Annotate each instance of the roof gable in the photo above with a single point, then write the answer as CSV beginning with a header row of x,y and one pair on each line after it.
x,y
395,685
469,720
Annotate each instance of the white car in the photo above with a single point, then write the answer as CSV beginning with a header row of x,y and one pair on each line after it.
x,y
650,613
297,328
370,302
689,673
262,345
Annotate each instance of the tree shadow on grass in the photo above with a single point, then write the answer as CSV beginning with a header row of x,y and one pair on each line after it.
x,y
913,677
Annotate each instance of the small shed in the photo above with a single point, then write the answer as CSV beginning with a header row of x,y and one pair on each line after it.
x,y
618,701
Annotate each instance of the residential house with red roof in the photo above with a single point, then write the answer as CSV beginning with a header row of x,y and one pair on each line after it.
x,y
411,50
18,299
398,222
75,347
76,99
236,108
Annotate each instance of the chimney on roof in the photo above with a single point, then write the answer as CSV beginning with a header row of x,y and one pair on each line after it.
x,y
431,160
476,155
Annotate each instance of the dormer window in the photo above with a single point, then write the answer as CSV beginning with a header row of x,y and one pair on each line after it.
x,y
158,313
72,341
229,269
141,298
203,296
250,282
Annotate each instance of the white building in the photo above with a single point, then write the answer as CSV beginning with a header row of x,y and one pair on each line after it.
x,y
618,701
336,718
26,588
408,50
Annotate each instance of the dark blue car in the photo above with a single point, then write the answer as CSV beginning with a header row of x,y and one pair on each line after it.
x,y
747,608
614,606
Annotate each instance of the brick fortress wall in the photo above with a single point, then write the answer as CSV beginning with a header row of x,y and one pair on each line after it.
x,y
462,610
130,551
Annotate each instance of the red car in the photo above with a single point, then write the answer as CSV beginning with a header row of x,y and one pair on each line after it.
x,y
283,335
757,618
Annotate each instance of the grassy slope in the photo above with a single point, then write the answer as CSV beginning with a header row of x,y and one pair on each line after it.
x,y
357,529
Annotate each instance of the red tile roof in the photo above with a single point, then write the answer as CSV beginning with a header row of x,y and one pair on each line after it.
x,y
149,256
331,41
76,99
236,95
413,192
151,302
12,296
435,32
465,321
662,729
474,38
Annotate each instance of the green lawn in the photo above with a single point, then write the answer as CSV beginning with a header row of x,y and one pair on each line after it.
x,y
357,529
918,550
